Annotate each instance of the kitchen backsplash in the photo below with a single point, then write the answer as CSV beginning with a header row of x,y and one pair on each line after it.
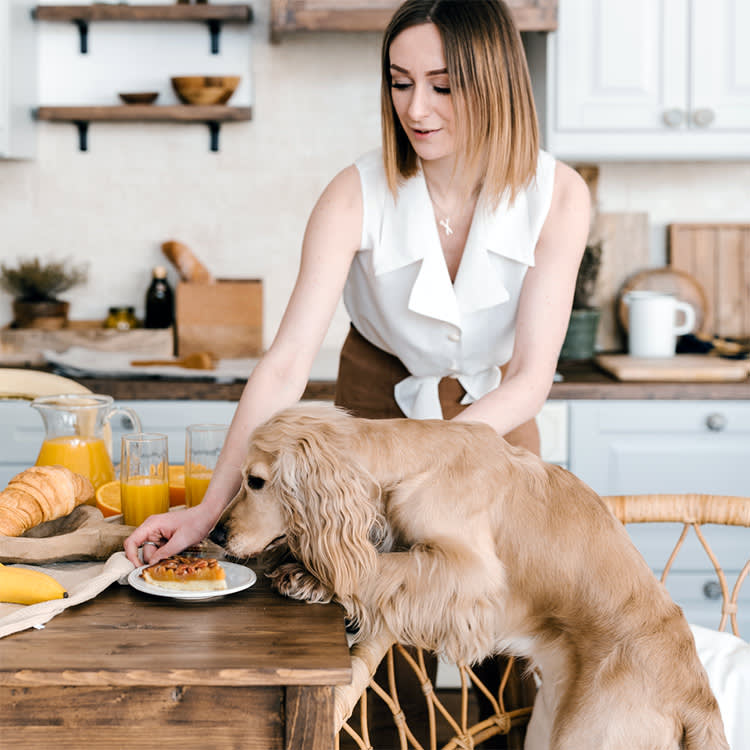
x,y
243,210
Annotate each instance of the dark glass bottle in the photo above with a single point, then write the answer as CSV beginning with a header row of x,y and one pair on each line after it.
x,y
159,301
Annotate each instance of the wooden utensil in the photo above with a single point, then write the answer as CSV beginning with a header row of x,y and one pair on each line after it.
x,y
197,361
681,284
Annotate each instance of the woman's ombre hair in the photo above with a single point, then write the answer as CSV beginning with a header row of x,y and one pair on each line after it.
x,y
496,123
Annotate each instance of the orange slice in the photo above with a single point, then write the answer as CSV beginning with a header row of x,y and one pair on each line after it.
x,y
176,485
108,498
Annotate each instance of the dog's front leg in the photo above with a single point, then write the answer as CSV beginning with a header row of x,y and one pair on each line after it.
x,y
443,597
290,578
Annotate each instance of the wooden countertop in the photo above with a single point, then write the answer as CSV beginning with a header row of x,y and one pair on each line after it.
x,y
581,380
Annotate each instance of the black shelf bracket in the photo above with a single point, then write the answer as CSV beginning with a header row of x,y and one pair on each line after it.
x,y
83,134
83,33
213,129
214,29
82,126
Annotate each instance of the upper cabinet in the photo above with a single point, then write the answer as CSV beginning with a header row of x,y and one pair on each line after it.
x,y
373,15
18,79
645,79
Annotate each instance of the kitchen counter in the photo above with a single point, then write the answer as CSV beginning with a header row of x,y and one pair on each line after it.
x,y
581,380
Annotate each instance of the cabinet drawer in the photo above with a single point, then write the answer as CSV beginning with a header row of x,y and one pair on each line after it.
x,y
636,447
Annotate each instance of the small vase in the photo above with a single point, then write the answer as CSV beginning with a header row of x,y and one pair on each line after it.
x,y
48,315
580,339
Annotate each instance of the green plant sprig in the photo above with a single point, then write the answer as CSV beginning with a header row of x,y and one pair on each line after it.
x,y
588,274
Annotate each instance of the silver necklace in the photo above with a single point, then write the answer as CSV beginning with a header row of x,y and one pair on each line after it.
x,y
445,222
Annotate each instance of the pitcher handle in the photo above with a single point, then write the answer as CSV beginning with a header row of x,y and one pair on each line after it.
x,y
689,311
114,410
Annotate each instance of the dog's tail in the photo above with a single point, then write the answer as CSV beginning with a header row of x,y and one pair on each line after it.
x,y
703,728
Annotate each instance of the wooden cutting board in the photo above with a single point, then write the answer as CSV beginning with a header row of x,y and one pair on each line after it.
x,y
692,368
625,250
718,255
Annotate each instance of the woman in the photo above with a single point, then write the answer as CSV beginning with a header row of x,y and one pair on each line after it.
x,y
456,249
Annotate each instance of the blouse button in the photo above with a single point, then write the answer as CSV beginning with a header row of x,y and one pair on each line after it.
x,y
454,337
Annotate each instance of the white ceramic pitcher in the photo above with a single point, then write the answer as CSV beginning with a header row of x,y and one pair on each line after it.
x,y
652,323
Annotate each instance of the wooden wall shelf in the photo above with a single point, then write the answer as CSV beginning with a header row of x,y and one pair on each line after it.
x,y
373,15
212,116
81,15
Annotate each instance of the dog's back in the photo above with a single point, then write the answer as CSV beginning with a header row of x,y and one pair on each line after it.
x,y
605,631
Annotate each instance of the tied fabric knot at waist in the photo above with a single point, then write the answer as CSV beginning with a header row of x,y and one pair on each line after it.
x,y
418,398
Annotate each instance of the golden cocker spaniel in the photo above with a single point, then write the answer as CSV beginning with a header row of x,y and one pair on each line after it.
x,y
458,543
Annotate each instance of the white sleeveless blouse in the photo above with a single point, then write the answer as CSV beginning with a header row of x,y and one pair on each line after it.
x,y
400,297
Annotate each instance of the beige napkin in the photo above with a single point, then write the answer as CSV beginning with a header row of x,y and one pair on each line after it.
x,y
82,580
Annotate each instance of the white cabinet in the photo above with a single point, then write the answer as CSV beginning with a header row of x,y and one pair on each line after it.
x,y
650,79
18,79
22,431
640,447
635,447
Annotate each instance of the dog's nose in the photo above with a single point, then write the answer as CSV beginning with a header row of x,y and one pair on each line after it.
x,y
218,534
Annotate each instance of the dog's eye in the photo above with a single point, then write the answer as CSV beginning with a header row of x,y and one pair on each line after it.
x,y
255,483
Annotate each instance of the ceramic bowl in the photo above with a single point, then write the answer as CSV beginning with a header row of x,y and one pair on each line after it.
x,y
139,97
204,90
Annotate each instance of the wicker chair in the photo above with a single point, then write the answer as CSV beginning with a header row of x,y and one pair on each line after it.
x,y
690,511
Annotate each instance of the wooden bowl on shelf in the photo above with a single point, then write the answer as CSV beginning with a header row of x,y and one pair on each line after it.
x,y
204,90
139,97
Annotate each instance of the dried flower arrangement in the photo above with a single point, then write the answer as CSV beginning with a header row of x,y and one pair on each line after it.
x,y
35,285
35,281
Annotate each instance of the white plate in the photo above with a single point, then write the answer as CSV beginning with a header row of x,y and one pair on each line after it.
x,y
239,578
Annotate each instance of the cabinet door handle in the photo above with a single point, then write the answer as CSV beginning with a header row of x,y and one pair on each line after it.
x,y
712,590
716,422
673,118
703,117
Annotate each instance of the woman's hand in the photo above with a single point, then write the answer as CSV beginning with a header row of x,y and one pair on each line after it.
x,y
168,534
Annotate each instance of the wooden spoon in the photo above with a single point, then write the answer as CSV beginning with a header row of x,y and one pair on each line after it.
x,y
197,361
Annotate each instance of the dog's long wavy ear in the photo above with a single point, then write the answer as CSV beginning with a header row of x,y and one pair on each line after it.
x,y
332,505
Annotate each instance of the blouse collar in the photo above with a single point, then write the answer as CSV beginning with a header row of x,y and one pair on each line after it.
x,y
409,234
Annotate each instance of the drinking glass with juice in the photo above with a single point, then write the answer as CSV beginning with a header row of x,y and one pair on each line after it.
x,y
144,485
203,444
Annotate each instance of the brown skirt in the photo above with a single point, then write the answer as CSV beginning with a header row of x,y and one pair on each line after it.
x,y
368,375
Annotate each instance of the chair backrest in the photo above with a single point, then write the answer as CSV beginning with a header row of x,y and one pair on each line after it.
x,y
692,512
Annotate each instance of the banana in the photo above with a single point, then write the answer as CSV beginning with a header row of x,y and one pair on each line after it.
x,y
16,383
24,586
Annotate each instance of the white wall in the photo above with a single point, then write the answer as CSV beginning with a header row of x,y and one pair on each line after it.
x,y
244,209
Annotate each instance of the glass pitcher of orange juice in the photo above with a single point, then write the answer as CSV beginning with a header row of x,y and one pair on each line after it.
x,y
77,433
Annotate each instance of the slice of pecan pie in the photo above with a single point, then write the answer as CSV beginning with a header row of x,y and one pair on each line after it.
x,y
183,573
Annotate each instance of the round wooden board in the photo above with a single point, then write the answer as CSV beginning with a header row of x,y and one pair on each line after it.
x,y
670,281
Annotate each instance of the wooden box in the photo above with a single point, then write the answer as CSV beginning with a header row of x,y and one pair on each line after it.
x,y
224,317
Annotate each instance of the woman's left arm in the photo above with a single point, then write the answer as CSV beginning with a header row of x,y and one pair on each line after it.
x,y
543,310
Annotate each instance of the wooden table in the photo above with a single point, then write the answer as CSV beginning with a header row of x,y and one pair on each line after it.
x,y
128,670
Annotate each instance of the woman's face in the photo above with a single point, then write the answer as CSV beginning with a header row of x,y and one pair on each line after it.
x,y
420,91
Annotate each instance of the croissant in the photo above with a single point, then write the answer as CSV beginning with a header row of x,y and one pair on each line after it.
x,y
41,493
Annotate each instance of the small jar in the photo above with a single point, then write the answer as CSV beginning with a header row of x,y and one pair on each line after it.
x,y
121,318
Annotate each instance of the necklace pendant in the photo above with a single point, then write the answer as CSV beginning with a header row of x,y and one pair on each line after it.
x,y
445,224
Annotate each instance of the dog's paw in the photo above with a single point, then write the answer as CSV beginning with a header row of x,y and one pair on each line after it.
x,y
296,582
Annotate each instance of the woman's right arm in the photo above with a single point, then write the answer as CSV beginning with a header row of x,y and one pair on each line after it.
x,y
332,237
